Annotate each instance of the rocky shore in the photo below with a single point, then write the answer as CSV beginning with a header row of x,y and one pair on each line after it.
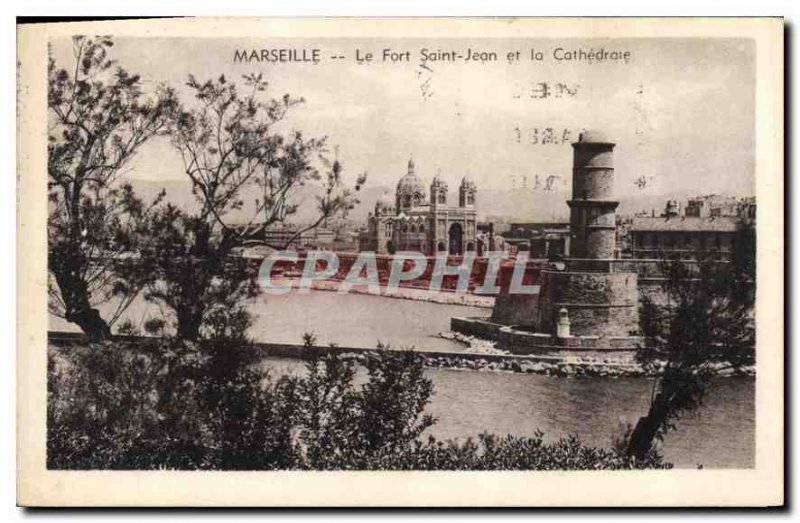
x,y
569,368
480,356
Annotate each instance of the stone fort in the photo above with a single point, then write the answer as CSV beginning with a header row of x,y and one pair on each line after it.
x,y
589,302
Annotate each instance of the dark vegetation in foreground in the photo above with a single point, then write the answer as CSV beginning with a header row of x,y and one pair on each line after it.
x,y
208,406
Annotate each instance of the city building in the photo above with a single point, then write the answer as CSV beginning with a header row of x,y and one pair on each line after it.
x,y
410,221
541,239
710,226
686,237
712,206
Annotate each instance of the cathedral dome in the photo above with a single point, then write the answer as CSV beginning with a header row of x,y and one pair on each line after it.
x,y
410,191
409,183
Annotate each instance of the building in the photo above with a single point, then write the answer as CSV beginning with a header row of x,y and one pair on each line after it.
x,y
588,302
686,237
710,226
541,239
413,222
712,206
290,236
591,294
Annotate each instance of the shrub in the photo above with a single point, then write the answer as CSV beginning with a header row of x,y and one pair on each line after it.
x,y
163,404
166,404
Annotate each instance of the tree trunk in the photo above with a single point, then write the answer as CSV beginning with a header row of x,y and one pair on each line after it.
x,y
78,307
189,322
80,311
91,323
647,428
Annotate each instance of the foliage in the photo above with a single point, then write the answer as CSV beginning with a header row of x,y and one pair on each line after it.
x,y
164,404
230,144
98,120
230,148
197,275
491,452
706,323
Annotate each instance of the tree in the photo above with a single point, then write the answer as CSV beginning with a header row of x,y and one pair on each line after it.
x,y
230,148
707,323
98,120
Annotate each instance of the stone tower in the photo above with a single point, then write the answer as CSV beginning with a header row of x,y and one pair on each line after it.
x,y
466,193
599,300
438,192
592,220
384,208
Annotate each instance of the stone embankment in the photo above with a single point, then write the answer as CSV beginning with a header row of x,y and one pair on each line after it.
x,y
570,366
477,356
413,293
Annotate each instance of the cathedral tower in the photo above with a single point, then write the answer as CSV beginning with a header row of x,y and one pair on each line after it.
x,y
438,192
466,193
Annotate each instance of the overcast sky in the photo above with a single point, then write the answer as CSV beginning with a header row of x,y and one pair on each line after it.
x,y
681,111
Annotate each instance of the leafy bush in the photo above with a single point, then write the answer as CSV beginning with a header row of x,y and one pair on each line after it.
x,y
168,404
163,404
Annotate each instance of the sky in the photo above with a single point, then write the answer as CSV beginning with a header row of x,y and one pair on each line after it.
x,y
681,111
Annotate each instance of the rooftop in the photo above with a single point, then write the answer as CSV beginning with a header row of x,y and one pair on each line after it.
x,y
684,224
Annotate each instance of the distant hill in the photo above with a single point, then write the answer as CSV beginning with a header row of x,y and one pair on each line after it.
x,y
508,204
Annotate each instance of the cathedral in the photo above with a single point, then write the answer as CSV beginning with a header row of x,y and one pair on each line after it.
x,y
413,222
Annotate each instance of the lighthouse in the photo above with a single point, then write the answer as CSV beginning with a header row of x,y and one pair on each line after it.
x,y
593,226
600,300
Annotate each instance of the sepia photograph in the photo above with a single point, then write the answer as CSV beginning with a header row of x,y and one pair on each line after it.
x,y
472,246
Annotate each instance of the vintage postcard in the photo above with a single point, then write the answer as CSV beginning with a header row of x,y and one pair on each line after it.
x,y
401,262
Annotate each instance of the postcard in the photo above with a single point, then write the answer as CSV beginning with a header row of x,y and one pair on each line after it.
x,y
401,262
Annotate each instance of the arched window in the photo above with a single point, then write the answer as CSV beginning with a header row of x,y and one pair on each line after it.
x,y
421,227
413,228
